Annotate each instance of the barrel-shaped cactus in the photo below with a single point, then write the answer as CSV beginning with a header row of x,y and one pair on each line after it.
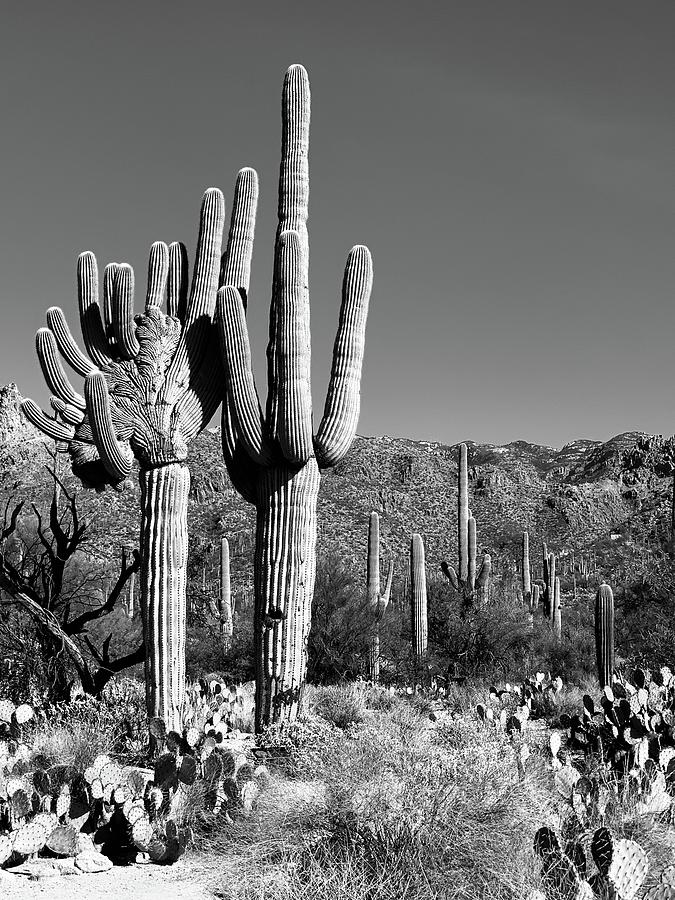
x,y
225,595
274,459
604,633
418,598
377,601
151,383
467,577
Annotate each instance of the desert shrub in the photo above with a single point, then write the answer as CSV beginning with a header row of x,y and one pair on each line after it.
x,y
488,641
303,742
342,706
408,811
117,723
205,651
338,642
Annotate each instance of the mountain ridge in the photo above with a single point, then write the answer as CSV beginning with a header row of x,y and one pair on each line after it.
x,y
576,497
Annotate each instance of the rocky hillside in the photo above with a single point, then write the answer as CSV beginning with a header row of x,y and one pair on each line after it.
x,y
589,495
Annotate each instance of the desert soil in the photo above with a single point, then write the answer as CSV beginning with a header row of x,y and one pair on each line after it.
x,y
186,879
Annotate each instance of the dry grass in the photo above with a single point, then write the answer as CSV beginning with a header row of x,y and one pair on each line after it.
x,y
405,809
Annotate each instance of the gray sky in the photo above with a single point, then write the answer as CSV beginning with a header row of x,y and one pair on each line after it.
x,y
509,163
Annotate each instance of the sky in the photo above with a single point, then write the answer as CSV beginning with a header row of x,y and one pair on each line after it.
x,y
510,164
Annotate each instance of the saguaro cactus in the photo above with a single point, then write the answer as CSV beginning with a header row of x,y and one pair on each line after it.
x,y
151,384
127,556
377,601
556,618
604,633
467,578
527,577
274,459
418,597
225,598
549,565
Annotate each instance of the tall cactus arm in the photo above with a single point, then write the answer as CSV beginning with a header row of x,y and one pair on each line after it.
x,y
116,459
123,312
471,545
235,268
386,596
57,324
293,347
177,281
293,205
70,414
208,387
55,376
450,574
294,169
244,404
51,427
235,271
242,470
158,273
109,275
343,401
93,330
196,332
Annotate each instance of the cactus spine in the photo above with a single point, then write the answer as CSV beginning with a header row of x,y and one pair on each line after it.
x,y
377,601
151,384
418,597
604,633
274,459
225,598
467,578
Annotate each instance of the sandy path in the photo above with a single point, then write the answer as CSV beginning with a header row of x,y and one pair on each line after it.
x,y
187,879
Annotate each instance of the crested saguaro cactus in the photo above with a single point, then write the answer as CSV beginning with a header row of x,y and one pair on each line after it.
x,y
466,579
418,597
151,383
225,597
274,460
604,633
377,601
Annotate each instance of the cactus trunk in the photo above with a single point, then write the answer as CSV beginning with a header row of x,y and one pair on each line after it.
x,y
527,580
225,599
164,543
418,597
557,615
377,601
463,514
604,634
285,568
